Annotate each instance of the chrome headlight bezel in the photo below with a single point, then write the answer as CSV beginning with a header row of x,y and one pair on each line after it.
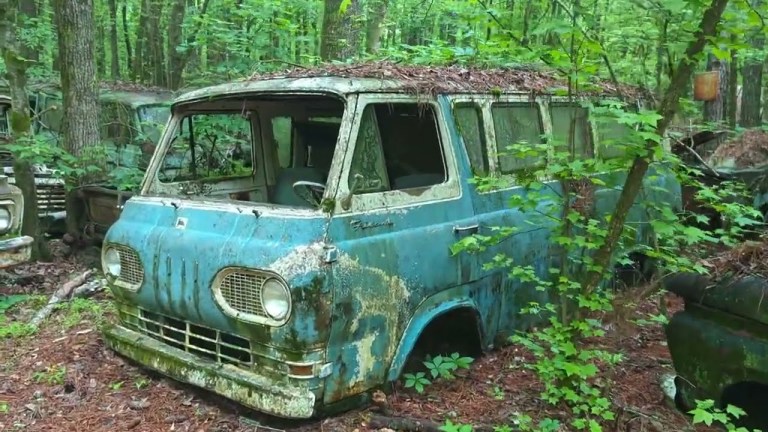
x,y
6,219
280,299
110,262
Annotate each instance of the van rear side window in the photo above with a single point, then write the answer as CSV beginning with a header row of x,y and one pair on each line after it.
x,y
470,125
571,121
398,147
517,123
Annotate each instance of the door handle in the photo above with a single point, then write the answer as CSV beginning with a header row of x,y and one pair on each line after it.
x,y
471,229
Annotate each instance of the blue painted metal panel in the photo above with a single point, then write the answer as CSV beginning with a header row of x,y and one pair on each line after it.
x,y
180,265
384,272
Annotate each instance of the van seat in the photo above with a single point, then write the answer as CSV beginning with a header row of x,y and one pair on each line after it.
x,y
417,180
284,194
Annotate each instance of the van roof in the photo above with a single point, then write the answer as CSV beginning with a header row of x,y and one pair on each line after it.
x,y
130,93
425,80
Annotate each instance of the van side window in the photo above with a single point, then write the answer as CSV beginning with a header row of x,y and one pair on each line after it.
x,y
567,119
201,147
398,147
612,136
470,125
516,123
281,132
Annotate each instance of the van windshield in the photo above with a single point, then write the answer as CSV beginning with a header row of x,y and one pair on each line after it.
x,y
153,118
251,149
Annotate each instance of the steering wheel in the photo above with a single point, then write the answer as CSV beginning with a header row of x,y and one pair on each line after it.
x,y
310,192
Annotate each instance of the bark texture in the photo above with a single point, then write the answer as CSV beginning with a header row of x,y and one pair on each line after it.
x,y
341,31
80,131
16,69
752,74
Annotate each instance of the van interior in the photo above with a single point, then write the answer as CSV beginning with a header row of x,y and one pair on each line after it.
x,y
256,148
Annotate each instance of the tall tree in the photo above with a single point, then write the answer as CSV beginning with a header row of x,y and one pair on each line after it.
x,y
115,52
75,24
341,30
21,124
752,76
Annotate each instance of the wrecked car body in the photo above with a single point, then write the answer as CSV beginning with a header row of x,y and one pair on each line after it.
x,y
718,343
131,121
51,195
15,248
291,240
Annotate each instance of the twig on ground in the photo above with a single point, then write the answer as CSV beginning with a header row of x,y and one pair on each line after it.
x,y
60,294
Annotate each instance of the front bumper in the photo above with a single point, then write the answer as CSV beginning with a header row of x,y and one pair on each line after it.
x,y
14,251
245,387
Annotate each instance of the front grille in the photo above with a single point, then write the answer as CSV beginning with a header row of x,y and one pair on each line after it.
x,y
131,270
241,290
51,195
194,339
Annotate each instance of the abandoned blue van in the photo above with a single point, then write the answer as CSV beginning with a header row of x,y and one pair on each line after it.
x,y
290,245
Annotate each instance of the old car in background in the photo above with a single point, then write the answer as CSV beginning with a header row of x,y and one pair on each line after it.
x,y
719,342
14,248
50,189
290,245
131,120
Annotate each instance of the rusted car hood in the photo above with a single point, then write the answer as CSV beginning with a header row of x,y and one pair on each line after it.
x,y
742,296
182,246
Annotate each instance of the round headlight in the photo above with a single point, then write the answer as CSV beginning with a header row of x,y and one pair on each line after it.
x,y
5,219
275,299
111,262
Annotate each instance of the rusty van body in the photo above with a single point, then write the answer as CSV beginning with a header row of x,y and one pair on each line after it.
x,y
15,248
291,240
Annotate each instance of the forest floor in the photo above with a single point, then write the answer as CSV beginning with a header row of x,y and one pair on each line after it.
x,y
62,378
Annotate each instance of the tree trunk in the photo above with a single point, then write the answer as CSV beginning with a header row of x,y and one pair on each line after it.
x,y
182,59
114,50
376,14
733,84
154,43
175,58
21,130
340,39
669,106
714,110
752,80
127,37
74,19
139,59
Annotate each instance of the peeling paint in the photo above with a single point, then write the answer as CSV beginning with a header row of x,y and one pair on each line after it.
x,y
302,260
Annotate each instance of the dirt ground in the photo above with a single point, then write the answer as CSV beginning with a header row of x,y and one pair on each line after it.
x,y
62,378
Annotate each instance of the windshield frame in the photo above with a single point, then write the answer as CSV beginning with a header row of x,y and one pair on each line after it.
x,y
151,181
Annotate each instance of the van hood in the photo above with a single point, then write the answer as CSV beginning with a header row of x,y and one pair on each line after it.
x,y
183,244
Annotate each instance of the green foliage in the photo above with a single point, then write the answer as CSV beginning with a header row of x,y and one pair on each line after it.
x,y
450,427
706,413
568,361
439,367
52,375
418,381
78,310
14,329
